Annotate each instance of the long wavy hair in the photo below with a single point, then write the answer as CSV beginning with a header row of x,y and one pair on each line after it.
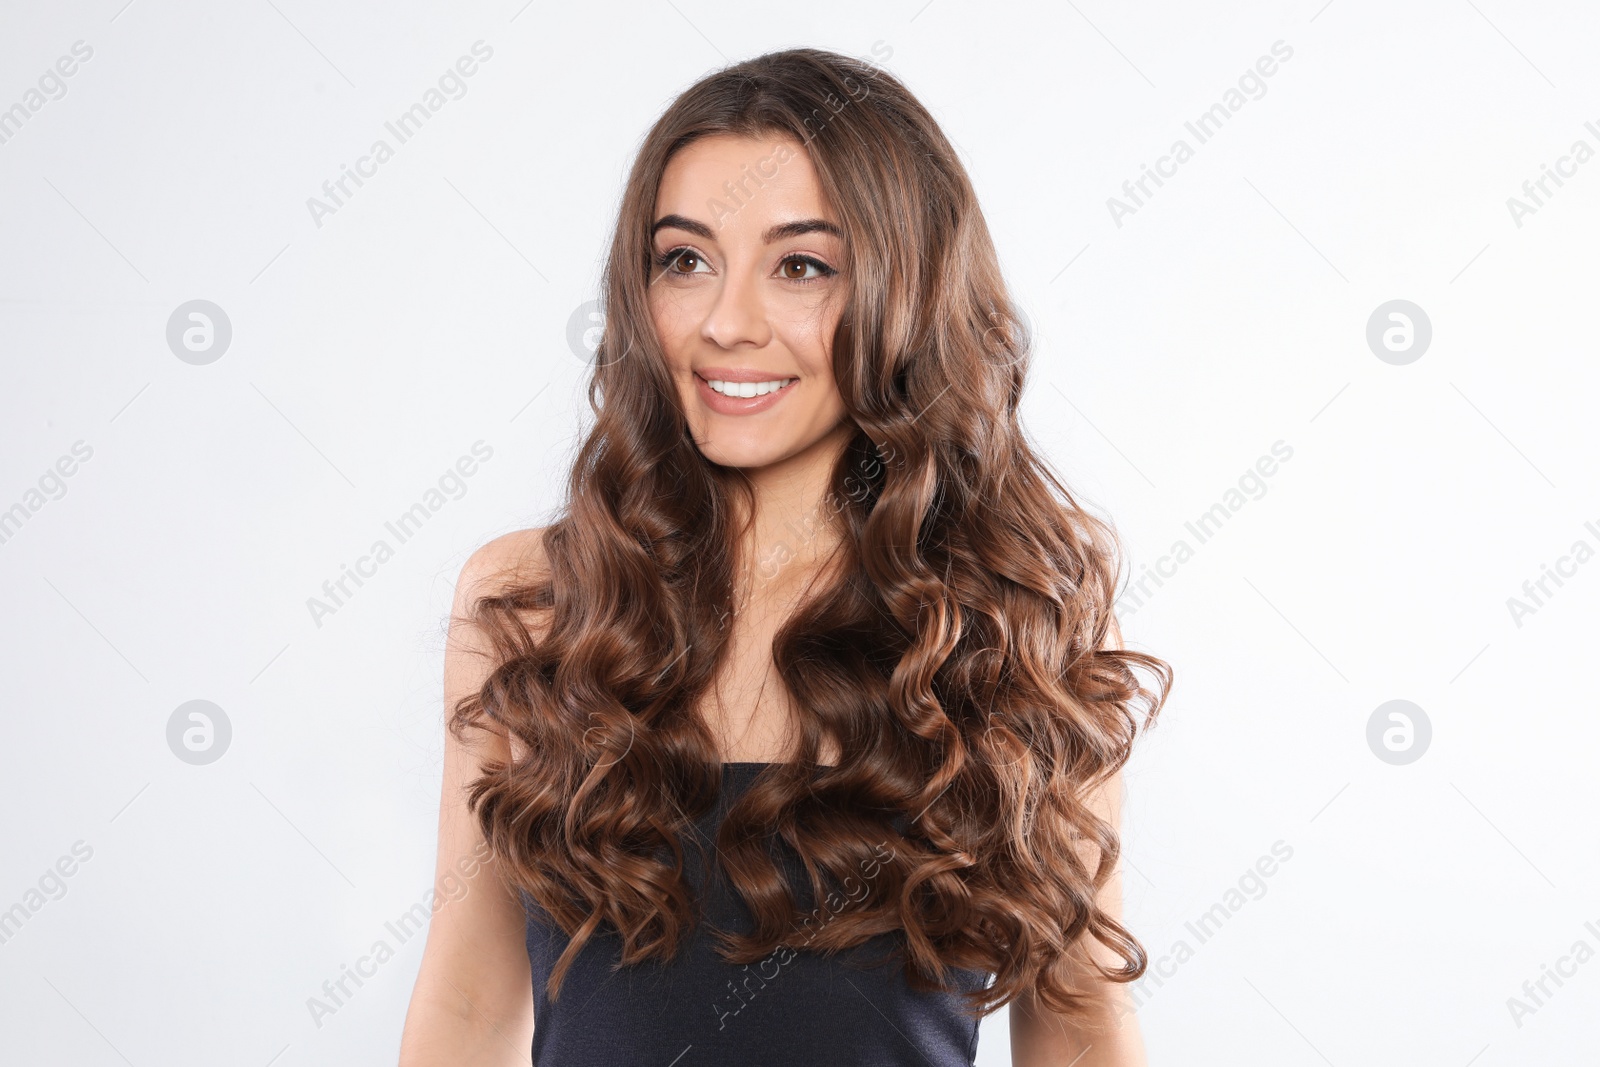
x,y
960,660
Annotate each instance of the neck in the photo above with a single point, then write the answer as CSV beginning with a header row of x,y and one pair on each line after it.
x,y
796,526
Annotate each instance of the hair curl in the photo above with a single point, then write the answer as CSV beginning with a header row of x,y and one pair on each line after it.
x,y
960,661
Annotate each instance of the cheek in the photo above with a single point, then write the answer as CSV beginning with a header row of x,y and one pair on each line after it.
x,y
672,326
809,336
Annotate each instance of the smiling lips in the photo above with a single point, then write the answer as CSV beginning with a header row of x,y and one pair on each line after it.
x,y
741,391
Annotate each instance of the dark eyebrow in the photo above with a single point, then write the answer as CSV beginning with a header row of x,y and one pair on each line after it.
x,y
780,232
785,230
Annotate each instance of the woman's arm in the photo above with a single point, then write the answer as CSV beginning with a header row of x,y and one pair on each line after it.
x,y
1110,1036
473,999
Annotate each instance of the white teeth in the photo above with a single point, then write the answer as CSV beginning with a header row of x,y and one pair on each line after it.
x,y
748,388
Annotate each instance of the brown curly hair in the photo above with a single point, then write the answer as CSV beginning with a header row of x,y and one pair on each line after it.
x,y
964,660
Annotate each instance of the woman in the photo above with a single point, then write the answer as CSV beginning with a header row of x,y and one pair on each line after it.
x,y
796,740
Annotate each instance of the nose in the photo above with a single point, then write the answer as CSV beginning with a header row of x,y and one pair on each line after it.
x,y
737,316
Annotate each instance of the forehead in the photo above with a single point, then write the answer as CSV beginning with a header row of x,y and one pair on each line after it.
x,y
741,185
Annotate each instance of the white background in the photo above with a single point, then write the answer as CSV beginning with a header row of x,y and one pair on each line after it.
x,y
369,353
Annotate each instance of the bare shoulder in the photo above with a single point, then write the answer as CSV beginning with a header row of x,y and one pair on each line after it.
x,y
503,563
473,989
508,560
1113,642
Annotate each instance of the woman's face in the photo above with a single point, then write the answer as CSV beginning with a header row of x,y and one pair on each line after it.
x,y
746,292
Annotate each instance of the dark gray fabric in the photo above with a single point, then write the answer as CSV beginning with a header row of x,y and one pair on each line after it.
x,y
796,1009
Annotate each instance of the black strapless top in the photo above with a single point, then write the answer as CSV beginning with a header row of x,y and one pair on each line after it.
x,y
700,1011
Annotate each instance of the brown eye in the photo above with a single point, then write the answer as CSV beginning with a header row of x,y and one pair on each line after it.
x,y
670,259
802,263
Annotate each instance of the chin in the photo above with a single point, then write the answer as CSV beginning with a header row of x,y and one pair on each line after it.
x,y
737,454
